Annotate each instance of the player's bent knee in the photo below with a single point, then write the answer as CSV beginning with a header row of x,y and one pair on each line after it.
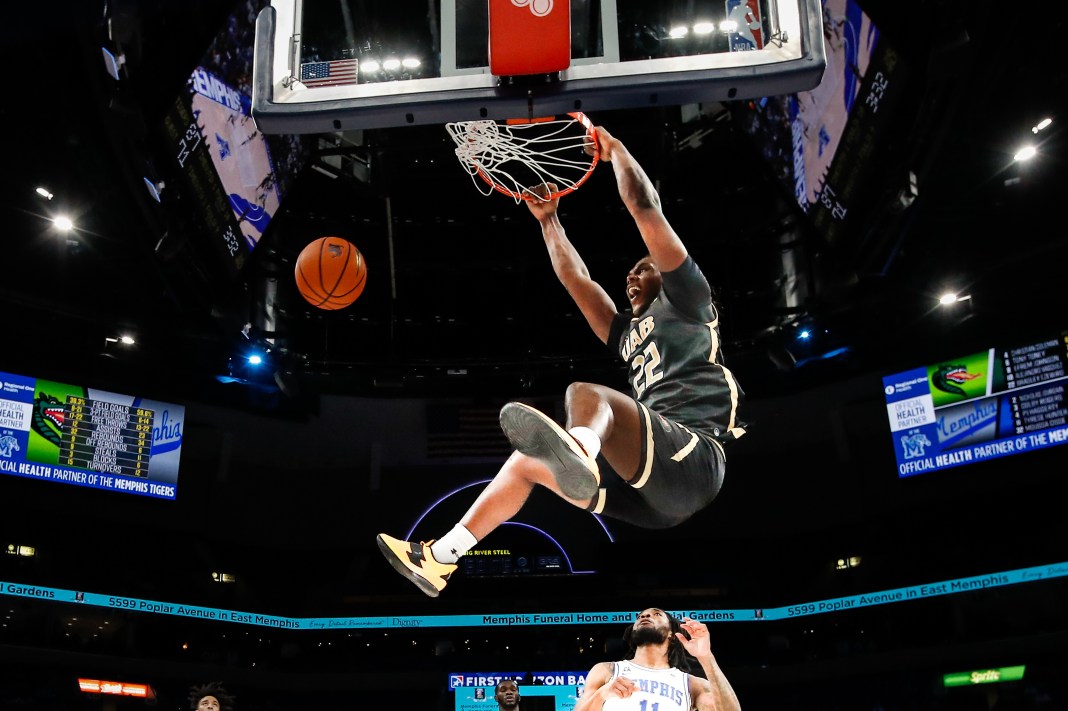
x,y
586,394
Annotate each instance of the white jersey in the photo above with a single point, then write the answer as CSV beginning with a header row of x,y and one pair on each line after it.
x,y
657,689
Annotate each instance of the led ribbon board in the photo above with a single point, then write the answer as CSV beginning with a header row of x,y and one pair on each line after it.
x,y
852,602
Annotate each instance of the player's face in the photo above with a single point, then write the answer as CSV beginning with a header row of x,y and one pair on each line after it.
x,y
208,703
652,625
643,285
507,694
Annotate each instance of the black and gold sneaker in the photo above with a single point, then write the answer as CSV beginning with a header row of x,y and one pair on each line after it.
x,y
535,434
416,562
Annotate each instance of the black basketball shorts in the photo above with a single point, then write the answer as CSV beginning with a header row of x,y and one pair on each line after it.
x,y
681,472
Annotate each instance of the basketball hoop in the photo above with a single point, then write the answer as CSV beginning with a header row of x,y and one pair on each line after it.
x,y
516,156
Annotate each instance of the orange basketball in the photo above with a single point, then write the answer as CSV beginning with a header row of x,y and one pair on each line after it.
x,y
330,273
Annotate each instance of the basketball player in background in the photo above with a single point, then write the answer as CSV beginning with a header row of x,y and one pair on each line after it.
x,y
652,458
657,670
210,697
507,695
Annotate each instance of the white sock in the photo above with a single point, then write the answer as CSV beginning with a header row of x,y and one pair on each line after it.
x,y
452,545
588,439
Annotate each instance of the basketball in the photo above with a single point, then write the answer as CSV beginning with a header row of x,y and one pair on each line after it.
x,y
330,273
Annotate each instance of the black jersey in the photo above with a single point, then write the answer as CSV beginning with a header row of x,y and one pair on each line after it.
x,y
673,351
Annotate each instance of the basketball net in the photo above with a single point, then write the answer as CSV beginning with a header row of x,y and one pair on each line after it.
x,y
515,157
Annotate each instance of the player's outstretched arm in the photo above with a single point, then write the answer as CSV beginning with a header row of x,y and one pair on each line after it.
x,y
714,692
642,201
591,298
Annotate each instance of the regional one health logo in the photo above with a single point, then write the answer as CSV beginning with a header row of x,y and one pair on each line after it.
x,y
9,387
904,386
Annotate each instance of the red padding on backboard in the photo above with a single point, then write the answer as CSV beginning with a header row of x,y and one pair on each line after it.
x,y
529,36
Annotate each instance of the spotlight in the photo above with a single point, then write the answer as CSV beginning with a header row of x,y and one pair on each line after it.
x,y
1025,154
949,298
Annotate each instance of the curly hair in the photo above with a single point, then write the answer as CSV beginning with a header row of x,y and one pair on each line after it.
x,y
677,655
214,688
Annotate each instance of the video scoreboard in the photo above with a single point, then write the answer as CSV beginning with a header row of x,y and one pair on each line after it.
x,y
998,402
72,434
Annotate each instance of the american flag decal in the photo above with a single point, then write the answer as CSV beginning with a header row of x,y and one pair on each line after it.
x,y
335,73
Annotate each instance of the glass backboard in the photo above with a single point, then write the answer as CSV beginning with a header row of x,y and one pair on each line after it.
x,y
355,64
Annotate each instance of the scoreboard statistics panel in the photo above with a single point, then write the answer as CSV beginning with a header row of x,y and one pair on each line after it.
x,y
76,435
1002,401
104,436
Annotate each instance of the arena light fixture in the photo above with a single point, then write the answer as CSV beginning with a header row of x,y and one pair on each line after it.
x,y
113,62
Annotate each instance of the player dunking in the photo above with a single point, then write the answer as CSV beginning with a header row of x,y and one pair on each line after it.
x,y
662,448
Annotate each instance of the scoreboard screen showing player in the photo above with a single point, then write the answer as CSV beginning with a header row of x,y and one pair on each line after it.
x,y
819,142
538,691
1002,401
76,435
